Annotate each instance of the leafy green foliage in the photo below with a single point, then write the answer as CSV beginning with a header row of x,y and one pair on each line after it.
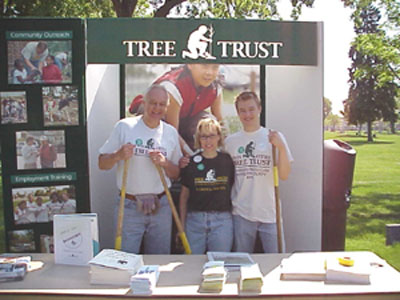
x,y
327,107
373,88
262,9
58,8
240,9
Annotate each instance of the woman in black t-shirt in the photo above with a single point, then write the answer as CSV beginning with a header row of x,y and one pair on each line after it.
x,y
205,199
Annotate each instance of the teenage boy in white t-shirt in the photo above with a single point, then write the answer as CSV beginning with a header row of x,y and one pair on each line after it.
x,y
253,197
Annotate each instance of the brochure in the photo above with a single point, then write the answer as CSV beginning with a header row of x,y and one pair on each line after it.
x,y
76,238
114,267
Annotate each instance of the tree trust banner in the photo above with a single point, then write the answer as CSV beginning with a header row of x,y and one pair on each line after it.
x,y
125,41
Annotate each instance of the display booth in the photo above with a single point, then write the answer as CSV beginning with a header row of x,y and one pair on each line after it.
x,y
104,65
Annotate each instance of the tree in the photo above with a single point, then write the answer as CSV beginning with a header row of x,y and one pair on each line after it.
x,y
264,9
327,107
383,44
371,93
388,105
332,121
57,8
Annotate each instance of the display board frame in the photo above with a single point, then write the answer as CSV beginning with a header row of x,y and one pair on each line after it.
x,y
55,114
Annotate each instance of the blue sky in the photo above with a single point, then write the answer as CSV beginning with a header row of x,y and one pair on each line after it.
x,y
338,34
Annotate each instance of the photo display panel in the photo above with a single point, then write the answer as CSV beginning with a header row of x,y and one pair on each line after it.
x,y
43,128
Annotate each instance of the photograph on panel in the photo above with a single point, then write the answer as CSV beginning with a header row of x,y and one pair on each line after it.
x,y
13,107
39,62
196,91
46,243
60,105
40,204
41,149
21,241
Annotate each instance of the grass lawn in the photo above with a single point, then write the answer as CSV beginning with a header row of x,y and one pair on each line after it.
x,y
375,198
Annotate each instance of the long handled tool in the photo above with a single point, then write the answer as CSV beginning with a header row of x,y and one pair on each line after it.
x,y
118,236
277,202
178,222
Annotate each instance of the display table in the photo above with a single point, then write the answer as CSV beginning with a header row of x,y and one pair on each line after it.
x,y
181,275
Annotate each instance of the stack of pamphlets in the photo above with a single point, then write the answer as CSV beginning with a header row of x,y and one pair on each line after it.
x,y
251,278
114,267
357,273
214,276
12,271
15,267
303,266
145,280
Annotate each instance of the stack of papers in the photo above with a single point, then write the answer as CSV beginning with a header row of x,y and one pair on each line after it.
x,y
12,271
26,260
251,278
114,267
303,266
214,276
145,280
358,273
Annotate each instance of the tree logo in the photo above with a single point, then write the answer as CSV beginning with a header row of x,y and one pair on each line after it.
x,y
199,44
210,176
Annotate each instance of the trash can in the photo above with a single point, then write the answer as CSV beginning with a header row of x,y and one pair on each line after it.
x,y
339,161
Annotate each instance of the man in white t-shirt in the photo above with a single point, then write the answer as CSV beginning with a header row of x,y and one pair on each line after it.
x,y
144,141
68,206
34,55
253,197
31,207
61,60
54,205
42,213
29,153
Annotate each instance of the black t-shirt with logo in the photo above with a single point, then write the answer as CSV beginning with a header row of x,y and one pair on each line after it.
x,y
209,182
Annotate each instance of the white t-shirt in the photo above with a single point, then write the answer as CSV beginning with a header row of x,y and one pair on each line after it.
x,y
68,207
253,190
142,174
20,216
53,209
61,56
17,73
31,211
29,52
29,153
42,214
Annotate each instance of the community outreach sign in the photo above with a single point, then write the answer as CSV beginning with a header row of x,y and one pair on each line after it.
x,y
125,41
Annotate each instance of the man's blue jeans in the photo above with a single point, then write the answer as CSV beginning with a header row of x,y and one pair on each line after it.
x,y
246,234
154,230
209,231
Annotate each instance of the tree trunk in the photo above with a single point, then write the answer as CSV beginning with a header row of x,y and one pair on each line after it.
x,y
392,127
124,8
369,124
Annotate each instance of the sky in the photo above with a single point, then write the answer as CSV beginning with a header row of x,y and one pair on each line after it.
x,y
338,34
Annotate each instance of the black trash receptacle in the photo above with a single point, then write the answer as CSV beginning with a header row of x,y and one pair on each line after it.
x,y
339,161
